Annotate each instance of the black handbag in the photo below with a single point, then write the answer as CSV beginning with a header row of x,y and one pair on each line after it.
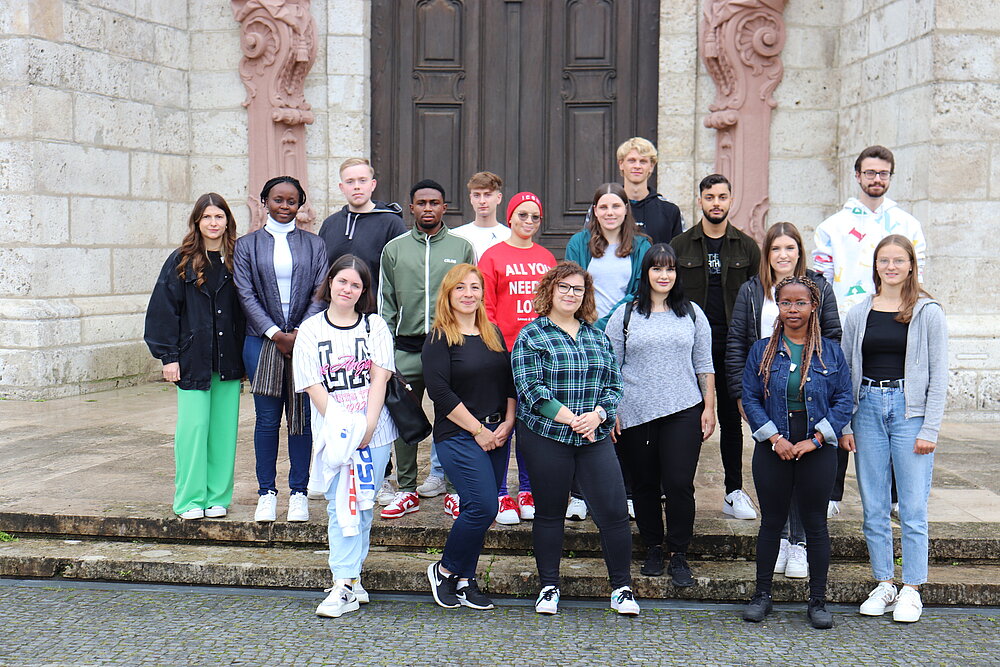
x,y
404,407
406,411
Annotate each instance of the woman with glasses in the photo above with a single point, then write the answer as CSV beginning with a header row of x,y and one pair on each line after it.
x,y
896,344
568,389
754,314
665,343
797,400
511,270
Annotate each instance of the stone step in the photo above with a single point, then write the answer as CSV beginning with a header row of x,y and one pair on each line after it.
x,y
714,538
304,568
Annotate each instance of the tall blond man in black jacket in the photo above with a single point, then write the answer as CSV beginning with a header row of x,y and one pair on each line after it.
x,y
714,259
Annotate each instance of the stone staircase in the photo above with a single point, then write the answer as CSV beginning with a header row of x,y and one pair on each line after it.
x,y
965,556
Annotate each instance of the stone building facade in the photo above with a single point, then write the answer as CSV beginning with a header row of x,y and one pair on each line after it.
x,y
117,114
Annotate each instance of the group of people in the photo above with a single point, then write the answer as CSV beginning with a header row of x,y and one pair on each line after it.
x,y
599,371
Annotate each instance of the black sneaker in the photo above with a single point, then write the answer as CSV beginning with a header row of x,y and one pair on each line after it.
x,y
653,567
819,617
759,607
471,596
442,587
680,571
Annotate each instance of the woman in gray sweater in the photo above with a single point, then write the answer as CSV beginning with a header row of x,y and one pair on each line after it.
x,y
663,344
896,344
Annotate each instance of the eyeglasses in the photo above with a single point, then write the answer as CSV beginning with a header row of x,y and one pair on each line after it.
x,y
524,217
870,174
898,262
566,288
799,305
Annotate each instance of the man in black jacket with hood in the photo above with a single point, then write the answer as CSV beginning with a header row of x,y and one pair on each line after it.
x,y
660,219
363,226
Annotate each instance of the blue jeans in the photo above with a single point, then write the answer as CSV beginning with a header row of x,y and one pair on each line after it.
x,y
347,554
265,433
523,483
476,475
885,440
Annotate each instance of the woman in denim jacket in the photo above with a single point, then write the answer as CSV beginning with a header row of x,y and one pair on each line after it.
x,y
797,399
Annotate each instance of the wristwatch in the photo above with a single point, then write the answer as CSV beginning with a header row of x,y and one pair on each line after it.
x,y
601,412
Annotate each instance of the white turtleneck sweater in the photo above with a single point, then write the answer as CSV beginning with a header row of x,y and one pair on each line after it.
x,y
282,265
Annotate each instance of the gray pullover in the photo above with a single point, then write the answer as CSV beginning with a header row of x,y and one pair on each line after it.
x,y
663,356
925,369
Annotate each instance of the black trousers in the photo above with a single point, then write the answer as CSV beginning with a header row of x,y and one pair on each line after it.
x,y
551,468
664,454
730,422
810,481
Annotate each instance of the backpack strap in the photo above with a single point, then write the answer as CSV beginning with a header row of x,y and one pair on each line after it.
x,y
625,322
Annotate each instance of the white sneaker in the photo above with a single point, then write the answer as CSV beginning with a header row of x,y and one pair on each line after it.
x,y
577,509
298,508
386,494
880,600
267,508
832,509
359,592
432,486
215,512
507,513
908,605
797,566
779,565
623,601
195,513
631,509
738,505
340,601
548,601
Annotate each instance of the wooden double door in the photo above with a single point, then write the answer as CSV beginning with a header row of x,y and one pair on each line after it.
x,y
538,91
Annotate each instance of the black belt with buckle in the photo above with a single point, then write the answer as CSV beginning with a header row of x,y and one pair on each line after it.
x,y
891,384
494,418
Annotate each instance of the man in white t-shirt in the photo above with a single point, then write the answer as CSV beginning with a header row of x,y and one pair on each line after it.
x,y
485,196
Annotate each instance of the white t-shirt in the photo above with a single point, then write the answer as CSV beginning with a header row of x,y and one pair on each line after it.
x,y
768,314
483,238
611,275
339,359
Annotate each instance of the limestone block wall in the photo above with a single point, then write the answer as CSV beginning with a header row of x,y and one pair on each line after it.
x,y
94,154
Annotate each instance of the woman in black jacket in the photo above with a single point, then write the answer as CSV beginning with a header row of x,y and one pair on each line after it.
x,y
194,325
754,313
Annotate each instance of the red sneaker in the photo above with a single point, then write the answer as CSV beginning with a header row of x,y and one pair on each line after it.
x,y
507,514
404,503
451,503
526,505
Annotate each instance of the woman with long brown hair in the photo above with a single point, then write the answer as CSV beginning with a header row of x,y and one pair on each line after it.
x,y
194,325
896,344
796,396
468,377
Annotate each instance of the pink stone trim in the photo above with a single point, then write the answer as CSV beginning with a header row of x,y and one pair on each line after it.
x,y
741,43
278,39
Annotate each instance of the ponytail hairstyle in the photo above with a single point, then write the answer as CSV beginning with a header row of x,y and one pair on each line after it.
x,y
912,290
446,324
814,341
192,250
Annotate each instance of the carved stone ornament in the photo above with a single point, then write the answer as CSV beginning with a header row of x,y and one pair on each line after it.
x,y
741,42
279,48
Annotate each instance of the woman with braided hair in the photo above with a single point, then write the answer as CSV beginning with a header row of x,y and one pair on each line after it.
x,y
797,399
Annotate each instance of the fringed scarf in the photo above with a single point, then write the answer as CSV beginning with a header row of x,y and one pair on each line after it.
x,y
274,373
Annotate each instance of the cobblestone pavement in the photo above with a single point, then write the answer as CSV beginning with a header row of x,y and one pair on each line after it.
x,y
63,624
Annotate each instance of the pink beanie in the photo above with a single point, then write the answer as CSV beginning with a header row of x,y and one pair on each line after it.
x,y
519,199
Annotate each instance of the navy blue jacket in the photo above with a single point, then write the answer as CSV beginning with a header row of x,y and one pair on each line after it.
x,y
828,399
253,266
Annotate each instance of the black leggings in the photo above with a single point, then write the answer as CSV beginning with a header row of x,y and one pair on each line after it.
x,y
664,452
551,467
730,422
810,480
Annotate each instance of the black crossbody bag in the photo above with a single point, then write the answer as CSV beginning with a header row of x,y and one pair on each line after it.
x,y
404,407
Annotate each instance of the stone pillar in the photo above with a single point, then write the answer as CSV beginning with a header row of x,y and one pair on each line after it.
x,y
741,42
279,47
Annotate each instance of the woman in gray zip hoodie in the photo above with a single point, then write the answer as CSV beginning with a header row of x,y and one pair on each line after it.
x,y
895,343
